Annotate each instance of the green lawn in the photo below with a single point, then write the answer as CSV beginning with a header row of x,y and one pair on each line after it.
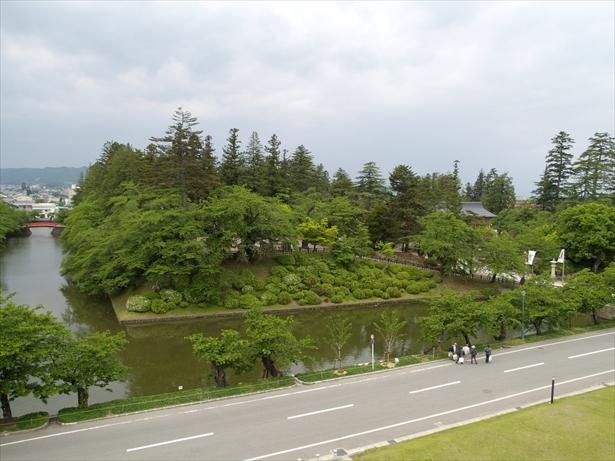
x,y
574,428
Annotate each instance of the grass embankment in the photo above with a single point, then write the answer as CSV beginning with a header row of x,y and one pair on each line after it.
x,y
25,422
315,376
148,402
573,428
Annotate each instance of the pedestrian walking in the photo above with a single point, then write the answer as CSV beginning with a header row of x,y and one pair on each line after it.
x,y
487,354
465,351
473,355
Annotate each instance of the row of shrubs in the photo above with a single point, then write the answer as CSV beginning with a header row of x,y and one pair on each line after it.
x,y
157,302
305,279
314,279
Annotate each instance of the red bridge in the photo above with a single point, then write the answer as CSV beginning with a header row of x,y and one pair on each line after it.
x,y
44,224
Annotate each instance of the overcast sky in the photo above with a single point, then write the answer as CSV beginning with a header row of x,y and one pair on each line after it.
x,y
418,83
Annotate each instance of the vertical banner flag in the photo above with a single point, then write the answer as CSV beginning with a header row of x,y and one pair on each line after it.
x,y
530,257
562,255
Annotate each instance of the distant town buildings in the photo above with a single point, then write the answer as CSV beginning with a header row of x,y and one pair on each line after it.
x,y
45,201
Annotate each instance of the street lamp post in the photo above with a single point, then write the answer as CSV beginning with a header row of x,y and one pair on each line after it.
x,y
523,315
371,339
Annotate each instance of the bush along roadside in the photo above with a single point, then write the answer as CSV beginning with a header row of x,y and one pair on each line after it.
x,y
134,404
357,369
26,422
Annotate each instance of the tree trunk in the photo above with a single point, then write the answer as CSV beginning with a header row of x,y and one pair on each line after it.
x,y
494,277
466,337
538,324
219,376
270,371
6,406
502,335
83,396
594,317
596,265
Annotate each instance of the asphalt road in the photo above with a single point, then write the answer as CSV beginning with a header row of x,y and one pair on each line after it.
x,y
303,421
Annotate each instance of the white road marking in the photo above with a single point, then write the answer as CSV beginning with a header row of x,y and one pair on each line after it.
x,y
183,439
590,353
523,368
190,411
430,368
65,433
234,404
321,411
410,421
295,393
434,387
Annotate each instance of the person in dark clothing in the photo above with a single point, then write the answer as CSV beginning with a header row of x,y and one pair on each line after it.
x,y
473,355
487,354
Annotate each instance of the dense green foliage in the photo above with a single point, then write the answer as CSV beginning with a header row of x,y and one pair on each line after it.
x,y
86,361
27,343
538,304
39,355
11,220
172,216
226,351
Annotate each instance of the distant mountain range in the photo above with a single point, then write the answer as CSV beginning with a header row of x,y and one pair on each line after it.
x,y
49,176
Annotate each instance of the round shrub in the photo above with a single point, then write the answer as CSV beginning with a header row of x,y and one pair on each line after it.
x,y
279,271
286,260
159,306
291,280
272,288
325,289
337,299
284,298
194,296
247,289
231,301
343,292
138,303
413,288
171,296
268,298
395,268
249,301
328,279
362,293
308,297
394,292
377,293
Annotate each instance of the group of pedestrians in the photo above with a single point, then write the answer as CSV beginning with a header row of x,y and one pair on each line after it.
x,y
460,354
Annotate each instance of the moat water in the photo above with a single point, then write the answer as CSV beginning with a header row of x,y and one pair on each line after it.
x,y
158,356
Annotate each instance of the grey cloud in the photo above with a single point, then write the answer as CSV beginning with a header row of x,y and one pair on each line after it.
x,y
420,83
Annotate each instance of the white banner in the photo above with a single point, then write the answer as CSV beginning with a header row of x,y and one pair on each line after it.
x,y
562,255
530,257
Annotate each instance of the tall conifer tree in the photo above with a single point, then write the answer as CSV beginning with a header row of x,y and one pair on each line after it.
x,y
232,166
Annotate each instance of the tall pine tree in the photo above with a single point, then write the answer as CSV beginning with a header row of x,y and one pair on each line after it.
x,y
553,186
232,166
176,158
595,168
